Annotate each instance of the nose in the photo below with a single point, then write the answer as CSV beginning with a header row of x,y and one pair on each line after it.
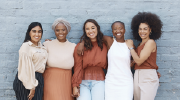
x,y
37,33
60,31
141,31
118,30
90,30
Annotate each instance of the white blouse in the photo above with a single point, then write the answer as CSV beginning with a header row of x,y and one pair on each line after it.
x,y
32,59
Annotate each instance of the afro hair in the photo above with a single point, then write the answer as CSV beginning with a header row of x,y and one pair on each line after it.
x,y
152,20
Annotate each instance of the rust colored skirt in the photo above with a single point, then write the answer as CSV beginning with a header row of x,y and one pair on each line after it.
x,y
57,84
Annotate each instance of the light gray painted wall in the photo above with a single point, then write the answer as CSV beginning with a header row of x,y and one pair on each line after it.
x,y
16,15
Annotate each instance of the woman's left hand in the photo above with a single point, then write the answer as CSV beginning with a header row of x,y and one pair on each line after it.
x,y
129,43
159,75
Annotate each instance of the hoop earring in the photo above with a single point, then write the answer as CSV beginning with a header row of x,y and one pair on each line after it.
x,y
113,37
150,33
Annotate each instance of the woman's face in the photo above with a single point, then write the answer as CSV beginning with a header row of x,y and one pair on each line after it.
x,y
144,30
118,30
61,32
35,34
91,31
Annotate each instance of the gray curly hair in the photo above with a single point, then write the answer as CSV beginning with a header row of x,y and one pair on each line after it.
x,y
63,21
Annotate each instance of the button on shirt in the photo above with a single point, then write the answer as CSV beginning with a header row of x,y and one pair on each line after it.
x,y
32,59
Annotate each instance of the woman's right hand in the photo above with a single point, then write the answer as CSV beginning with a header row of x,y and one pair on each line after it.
x,y
80,49
132,63
76,92
31,94
48,40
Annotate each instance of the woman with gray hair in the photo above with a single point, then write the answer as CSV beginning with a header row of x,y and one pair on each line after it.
x,y
58,73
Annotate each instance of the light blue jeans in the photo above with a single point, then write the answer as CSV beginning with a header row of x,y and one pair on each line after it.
x,y
92,90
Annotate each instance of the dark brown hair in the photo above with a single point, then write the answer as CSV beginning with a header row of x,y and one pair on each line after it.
x,y
87,42
152,20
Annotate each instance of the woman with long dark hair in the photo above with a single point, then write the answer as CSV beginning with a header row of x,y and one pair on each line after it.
x,y
29,82
146,28
88,69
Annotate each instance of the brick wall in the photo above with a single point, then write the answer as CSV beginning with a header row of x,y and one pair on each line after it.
x,y
16,15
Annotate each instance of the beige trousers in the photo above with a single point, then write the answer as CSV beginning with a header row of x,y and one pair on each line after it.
x,y
146,83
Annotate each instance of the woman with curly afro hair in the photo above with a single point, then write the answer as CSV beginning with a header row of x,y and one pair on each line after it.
x,y
146,27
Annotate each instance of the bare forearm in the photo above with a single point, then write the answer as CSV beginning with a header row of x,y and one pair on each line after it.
x,y
135,56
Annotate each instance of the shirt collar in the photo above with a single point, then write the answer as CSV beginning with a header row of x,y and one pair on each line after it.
x,y
31,44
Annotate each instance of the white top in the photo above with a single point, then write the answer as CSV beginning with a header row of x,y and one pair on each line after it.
x,y
32,59
119,62
119,80
60,54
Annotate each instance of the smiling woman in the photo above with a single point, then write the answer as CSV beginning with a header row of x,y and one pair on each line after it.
x,y
35,34
146,27
58,73
29,82
88,69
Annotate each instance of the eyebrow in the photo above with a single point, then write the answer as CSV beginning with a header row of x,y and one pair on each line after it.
x,y
144,27
37,30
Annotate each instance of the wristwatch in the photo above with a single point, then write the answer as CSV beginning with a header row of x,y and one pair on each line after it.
x,y
131,48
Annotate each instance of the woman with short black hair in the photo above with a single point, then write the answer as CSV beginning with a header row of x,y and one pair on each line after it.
x,y
29,82
146,27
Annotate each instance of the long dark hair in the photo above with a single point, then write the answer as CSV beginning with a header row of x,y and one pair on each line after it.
x,y
87,42
32,25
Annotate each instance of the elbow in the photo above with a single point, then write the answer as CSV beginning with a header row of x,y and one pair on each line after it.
x,y
138,63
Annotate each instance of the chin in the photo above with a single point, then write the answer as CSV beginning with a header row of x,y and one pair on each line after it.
x,y
61,38
92,37
36,41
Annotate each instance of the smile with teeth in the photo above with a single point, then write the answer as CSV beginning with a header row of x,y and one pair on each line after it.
x,y
61,35
142,34
118,34
91,34
36,37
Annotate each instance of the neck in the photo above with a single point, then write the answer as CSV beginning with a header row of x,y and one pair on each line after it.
x,y
63,40
145,40
35,43
120,40
93,40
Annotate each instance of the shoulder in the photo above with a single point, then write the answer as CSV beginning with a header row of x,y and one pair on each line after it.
x,y
151,42
25,47
72,44
46,43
